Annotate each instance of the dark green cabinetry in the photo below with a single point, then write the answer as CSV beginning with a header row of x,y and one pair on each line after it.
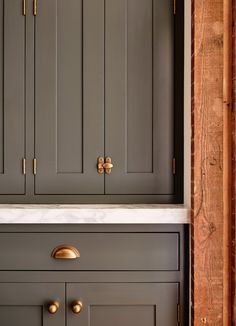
x,y
12,97
103,304
139,96
69,96
84,79
99,251
25,304
126,275
124,304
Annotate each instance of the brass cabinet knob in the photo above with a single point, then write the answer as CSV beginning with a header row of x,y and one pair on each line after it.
x,y
65,252
104,165
77,307
107,166
53,307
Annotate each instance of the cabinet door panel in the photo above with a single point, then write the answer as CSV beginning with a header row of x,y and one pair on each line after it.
x,y
21,316
69,96
25,304
139,96
127,304
12,97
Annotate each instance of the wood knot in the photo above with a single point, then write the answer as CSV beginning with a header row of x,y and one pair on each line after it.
x,y
213,161
212,228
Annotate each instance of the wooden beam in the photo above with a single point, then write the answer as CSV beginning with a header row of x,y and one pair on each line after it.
x,y
207,169
227,162
233,276
212,163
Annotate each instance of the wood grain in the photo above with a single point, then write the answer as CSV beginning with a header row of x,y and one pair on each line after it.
x,y
207,163
227,162
234,168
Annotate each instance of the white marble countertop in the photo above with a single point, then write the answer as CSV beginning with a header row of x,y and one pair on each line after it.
x,y
94,214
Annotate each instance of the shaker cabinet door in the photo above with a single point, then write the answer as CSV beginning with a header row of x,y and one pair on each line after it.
x,y
90,79
12,97
126,304
69,96
139,96
27,304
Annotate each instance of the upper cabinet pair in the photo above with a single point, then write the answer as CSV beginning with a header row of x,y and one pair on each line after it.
x,y
91,106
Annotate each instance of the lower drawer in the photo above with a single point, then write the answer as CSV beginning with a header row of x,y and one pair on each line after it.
x,y
98,251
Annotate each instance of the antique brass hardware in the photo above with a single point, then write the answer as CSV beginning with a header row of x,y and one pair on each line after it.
x,y
35,166
77,307
100,165
65,252
53,307
174,6
35,8
104,165
24,166
24,7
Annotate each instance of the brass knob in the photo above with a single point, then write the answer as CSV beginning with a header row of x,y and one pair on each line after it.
x,y
107,165
77,307
65,252
53,307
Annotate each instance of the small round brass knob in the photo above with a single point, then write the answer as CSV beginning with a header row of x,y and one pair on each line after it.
x,y
77,307
53,307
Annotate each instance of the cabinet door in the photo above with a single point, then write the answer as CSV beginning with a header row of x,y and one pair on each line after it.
x,y
26,304
12,97
139,80
127,304
69,96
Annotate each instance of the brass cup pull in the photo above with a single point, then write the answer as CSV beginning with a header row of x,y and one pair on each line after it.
x,y
104,165
53,307
77,307
65,252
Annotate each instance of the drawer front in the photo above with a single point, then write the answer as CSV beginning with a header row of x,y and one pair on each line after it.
x,y
98,251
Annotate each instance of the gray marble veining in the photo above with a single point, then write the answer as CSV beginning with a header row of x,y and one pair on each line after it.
x,y
96,214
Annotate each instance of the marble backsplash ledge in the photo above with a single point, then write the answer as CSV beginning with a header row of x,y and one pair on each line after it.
x,y
94,214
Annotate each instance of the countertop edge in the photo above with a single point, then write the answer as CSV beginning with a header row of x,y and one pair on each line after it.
x,y
94,214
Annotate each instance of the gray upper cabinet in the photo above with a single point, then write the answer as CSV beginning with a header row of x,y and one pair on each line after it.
x,y
12,97
81,80
139,96
69,96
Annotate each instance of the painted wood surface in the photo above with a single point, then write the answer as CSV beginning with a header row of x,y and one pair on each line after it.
x,y
26,304
124,304
69,104
12,98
